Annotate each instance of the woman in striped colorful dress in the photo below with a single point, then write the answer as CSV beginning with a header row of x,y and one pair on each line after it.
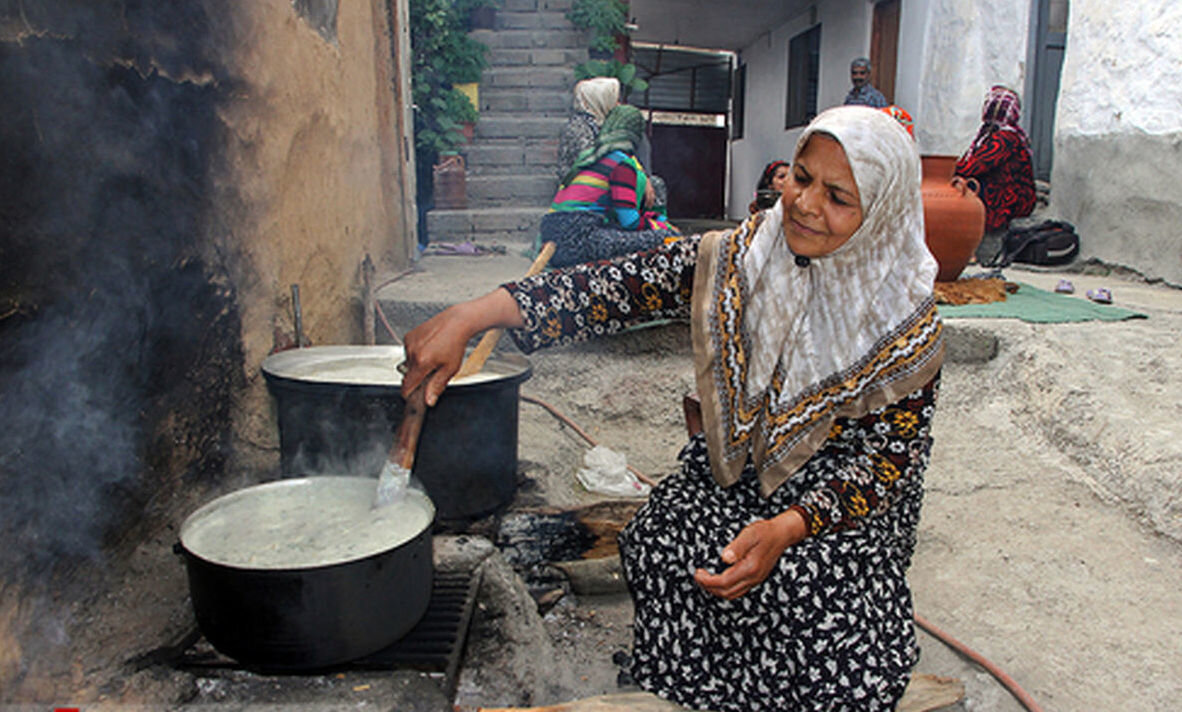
x,y
601,210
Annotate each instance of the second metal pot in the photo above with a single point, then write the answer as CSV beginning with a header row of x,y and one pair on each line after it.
x,y
333,423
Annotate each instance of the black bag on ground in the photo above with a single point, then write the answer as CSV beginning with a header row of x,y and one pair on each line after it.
x,y
1047,243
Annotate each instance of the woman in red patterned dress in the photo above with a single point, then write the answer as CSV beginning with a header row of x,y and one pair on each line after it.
x,y
1000,160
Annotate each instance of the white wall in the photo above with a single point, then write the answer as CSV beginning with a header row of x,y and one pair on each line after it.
x,y
914,19
1117,174
845,34
950,53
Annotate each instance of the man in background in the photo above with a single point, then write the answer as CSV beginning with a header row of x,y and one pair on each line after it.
x,y
863,92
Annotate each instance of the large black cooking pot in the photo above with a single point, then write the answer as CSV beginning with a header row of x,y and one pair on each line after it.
x,y
338,407
314,605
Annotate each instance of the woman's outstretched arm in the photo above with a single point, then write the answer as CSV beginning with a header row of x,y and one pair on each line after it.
x,y
435,348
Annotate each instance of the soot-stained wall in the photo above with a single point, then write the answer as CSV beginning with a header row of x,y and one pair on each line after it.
x,y
114,319
168,170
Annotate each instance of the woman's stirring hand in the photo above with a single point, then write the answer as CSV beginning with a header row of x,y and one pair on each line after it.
x,y
753,554
435,348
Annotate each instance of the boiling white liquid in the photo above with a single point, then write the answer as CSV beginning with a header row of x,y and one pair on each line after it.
x,y
370,372
303,523
362,365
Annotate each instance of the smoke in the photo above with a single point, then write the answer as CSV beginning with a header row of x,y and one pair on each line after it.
x,y
119,338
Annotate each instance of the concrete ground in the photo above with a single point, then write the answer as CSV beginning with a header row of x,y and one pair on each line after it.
x,y
1051,540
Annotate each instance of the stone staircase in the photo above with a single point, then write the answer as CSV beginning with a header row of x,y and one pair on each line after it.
x,y
525,97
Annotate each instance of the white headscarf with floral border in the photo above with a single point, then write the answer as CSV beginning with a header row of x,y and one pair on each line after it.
x,y
781,350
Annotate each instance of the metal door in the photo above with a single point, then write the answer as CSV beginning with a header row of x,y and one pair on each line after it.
x,y
1050,44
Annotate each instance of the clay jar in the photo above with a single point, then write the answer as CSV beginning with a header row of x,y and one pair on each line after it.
x,y
953,215
450,184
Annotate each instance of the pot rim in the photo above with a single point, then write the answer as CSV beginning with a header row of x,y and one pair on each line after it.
x,y
194,519
295,367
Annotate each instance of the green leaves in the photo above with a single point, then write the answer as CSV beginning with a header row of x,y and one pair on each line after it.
x,y
605,18
443,55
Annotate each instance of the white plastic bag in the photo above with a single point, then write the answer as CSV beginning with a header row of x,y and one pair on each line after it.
x,y
606,472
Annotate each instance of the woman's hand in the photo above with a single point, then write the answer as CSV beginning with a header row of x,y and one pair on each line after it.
x,y
650,194
435,348
753,554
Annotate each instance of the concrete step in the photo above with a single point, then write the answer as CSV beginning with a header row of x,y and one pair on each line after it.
x,y
568,38
531,5
535,57
515,226
533,20
548,102
511,155
552,78
512,126
535,189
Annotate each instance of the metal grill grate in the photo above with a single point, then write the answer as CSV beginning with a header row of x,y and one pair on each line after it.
x,y
436,644
434,647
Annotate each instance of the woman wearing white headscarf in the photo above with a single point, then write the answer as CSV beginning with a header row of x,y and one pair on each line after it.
x,y
593,99
768,573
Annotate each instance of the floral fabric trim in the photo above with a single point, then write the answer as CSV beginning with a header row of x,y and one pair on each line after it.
x,y
871,457
605,297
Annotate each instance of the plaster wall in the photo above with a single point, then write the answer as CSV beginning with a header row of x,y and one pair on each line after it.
x,y
321,178
950,53
1117,174
845,34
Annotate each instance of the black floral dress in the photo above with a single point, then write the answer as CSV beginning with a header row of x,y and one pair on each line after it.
x,y
831,627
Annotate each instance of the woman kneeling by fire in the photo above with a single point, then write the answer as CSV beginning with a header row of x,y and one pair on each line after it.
x,y
768,573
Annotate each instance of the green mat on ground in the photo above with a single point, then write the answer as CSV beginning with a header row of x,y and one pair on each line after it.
x,y
1042,307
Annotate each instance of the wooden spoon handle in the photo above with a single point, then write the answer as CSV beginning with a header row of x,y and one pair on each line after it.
x,y
483,350
407,437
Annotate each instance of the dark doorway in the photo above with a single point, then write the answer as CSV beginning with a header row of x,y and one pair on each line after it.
x,y
804,65
1050,42
692,160
884,47
687,102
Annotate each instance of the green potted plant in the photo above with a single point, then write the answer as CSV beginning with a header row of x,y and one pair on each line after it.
x,y
606,20
443,56
607,23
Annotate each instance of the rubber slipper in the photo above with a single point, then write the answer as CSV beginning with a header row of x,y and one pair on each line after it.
x,y
1100,295
1065,287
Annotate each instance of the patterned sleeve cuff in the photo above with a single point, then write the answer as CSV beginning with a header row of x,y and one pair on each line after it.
x,y
812,521
594,299
526,338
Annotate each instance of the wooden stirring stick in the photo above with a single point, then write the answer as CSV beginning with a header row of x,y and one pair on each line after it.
x,y
395,474
483,350
406,439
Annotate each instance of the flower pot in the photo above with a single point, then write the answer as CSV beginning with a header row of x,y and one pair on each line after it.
x,y
450,184
953,216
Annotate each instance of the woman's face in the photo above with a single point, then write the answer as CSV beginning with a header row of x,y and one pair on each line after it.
x,y
822,206
780,177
